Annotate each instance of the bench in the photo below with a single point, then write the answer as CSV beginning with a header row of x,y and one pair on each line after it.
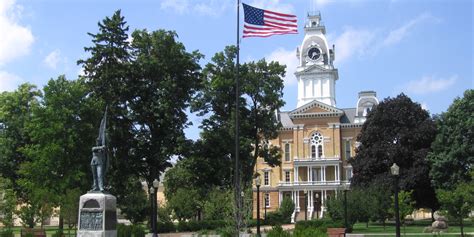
x,y
28,232
336,232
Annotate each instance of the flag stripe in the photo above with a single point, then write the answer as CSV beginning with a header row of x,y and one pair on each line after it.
x,y
264,23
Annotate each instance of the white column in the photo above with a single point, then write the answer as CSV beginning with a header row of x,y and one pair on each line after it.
x,y
310,198
338,177
324,173
321,171
297,199
307,176
335,173
310,173
296,174
280,197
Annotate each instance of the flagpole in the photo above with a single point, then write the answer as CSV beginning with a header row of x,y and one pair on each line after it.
x,y
237,145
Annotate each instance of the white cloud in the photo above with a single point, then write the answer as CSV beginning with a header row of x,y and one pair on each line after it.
x,y
367,42
180,6
201,7
52,59
353,42
16,39
288,58
401,32
273,5
319,4
8,81
430,84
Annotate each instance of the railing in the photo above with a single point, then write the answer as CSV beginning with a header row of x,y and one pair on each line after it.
x,y
311,183
309,158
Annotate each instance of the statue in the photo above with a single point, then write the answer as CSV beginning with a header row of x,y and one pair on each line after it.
x,y
99,162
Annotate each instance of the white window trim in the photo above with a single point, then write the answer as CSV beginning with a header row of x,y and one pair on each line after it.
x,y
266,172
289,152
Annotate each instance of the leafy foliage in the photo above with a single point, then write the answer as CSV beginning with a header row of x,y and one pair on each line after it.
x,y
406,205
261,96
7,203
397,131
458,202
452,156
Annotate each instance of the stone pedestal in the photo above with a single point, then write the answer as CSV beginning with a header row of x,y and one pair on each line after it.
x,y
97,215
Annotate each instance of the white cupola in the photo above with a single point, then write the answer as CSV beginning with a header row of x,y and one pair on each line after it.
x,y
315,73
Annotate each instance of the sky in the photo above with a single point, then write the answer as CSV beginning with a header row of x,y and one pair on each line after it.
x,y
423,48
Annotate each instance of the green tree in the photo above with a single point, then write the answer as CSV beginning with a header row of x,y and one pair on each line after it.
x,y
286,209
261,96
62,130
397,131
453,146
406,205
359,206
381,203
148,85
458,202
218,205
7,203
15,114
185,203
134,204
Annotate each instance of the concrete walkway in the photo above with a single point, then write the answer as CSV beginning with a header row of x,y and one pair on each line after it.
x,y
263,229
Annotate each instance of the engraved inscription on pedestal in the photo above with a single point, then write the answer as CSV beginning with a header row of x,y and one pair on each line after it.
x,y
91,220
97,215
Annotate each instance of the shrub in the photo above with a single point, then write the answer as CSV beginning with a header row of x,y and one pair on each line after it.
x,y
277,231
7,233
130,231
309,232
166,227
182,226
321,224
137,231
58,233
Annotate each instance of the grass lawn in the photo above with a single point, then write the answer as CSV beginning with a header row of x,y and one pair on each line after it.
x,y
416,227
50,230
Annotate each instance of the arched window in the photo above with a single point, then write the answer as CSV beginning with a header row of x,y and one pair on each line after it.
x,y
316,145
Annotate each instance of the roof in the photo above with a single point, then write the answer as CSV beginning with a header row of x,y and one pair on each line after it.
x,y
349,115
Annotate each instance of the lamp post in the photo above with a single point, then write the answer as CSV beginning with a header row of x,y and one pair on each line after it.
x,y
156,183
257,183
395,170
346,188
305,204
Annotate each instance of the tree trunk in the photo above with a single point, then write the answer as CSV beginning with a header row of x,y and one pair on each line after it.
x,y
383,222
61,221
462,227
432,215
367,225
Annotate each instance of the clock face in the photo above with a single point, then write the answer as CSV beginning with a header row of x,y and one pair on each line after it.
x,y
314,53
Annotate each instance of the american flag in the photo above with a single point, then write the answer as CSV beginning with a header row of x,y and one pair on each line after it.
x,y
263,23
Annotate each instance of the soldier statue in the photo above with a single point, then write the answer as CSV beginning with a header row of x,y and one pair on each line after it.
x,y
99,160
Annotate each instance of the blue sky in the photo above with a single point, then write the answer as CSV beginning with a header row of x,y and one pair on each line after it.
x,y
423,48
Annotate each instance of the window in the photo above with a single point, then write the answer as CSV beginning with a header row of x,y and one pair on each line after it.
x,y
347,148
349,173
287,176
287,152
316,174
316,145
266,178
267,200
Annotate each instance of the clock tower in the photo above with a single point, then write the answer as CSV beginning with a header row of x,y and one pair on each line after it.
x,y
315,72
